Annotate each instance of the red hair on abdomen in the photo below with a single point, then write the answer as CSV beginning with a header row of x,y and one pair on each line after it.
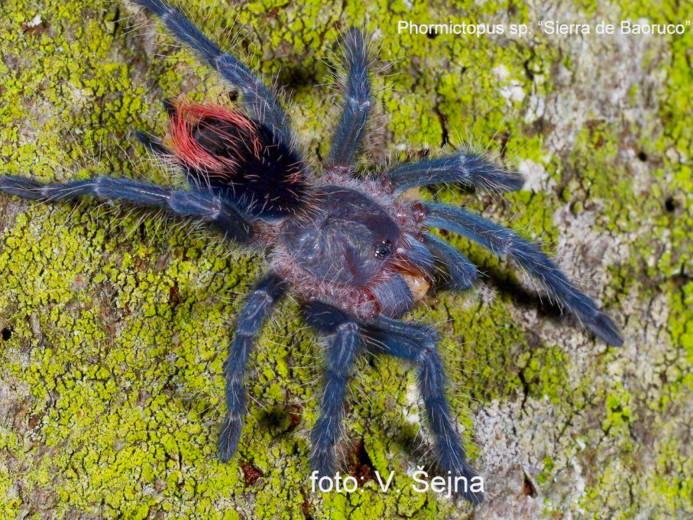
x,y
231,131
241,159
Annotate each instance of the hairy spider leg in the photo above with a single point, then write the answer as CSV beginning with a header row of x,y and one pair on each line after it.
x,y
255,96
357,102
153,144
504,242
208,207
418,253
393,294
417,342
469,169
341,350
256,309
461,271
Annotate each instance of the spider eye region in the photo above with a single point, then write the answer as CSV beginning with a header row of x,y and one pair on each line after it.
x,y
345,239
383,250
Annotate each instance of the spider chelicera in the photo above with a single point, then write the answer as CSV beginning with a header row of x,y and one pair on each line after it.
x,y
356,254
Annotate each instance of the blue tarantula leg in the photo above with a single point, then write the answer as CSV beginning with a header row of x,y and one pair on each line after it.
x,y
461,271
417,342
467,168
256,97
182,203
357,102
256,309
340,355
504,242
169,106
419,253
153,144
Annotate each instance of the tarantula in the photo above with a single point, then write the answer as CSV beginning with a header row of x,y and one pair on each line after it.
x,y
356,254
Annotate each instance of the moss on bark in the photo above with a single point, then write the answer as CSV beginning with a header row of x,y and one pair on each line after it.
x,y
115,324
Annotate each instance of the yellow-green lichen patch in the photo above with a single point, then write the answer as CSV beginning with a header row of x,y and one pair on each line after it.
x,y
115,326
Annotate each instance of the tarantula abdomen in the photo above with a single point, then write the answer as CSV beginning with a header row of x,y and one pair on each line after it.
x,y
239,158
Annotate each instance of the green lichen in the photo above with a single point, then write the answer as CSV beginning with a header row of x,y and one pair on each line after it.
x,y
116,323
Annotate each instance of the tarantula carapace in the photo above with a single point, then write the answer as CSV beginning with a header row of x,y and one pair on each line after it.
x,y
356,254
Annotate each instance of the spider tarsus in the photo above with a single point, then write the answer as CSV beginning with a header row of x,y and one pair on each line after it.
x,y
152,144
169,107
605,328
506,181
229,436
324,462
